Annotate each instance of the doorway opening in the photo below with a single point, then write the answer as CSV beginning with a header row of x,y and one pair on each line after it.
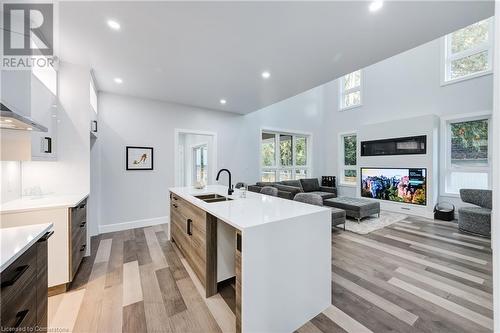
x,y
195,157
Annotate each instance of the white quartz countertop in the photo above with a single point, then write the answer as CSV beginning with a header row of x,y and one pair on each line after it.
x,y
44,202
16,240
242,213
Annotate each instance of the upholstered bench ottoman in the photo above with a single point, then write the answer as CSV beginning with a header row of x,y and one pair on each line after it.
x,y
338,216
354,207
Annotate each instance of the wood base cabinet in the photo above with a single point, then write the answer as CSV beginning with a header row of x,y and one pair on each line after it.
x,y
195,236
23,297
66,248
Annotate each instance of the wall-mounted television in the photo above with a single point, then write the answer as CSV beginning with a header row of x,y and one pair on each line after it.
x,y
398,185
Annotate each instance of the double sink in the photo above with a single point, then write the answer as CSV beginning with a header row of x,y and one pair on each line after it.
x,y
209,198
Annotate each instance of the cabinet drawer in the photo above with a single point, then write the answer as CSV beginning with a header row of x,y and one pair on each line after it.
x,y
180,238
79,215
19,312
78,247
78,234
189,211
18,275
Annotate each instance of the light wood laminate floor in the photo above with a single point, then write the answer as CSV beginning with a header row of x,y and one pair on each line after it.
x,y
414,276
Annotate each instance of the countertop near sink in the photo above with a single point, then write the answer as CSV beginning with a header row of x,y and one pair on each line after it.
x,y
15,241
254,210
45,202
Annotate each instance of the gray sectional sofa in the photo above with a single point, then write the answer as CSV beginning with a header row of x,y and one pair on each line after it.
x,y
287,189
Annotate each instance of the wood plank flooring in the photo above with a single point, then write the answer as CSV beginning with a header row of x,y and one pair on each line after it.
x,y
413,276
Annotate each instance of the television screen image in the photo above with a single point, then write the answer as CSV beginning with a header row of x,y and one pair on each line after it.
x,y
399,185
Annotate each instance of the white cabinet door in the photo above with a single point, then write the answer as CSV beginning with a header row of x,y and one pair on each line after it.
x,y
16,90
43,110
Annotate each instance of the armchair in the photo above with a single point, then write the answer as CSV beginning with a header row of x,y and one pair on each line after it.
x,y
476,219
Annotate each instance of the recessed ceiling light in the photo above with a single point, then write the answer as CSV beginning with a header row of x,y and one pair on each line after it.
x,y
7,120
266,75
376,5
118,80
29,128
222,101
114,25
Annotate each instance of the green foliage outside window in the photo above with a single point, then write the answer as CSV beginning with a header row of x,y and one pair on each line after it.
x,y
469,140
350,150
300,151
286,150
268,152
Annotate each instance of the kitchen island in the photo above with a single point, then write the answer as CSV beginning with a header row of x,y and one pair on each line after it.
x,y
278,250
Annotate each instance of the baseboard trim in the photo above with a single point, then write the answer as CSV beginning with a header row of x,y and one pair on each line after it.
x,y
133,224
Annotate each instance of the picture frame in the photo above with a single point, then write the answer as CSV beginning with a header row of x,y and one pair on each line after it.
x,y
139,158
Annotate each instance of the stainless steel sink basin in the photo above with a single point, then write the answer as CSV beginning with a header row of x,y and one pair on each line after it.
x,y
212,198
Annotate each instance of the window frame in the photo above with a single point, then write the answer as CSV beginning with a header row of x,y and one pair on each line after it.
x,y
447,58
343,92
277,167
342,166
446,168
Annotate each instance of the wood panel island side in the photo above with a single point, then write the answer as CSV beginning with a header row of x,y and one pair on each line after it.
x,y
278,251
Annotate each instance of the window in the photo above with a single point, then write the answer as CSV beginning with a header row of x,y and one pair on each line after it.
x,y
350,90
467,154
468,51
284,156
349,157
200,167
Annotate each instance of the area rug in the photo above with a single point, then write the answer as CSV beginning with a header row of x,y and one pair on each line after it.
x,y
370,224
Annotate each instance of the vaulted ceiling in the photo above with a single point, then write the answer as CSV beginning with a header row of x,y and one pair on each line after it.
x,y
197,53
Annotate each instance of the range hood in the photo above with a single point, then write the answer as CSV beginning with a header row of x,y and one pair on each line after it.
x,y
10,119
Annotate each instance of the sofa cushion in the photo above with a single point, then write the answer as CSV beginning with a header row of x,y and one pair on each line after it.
x,y
291,189
262,184
324,195
294,183
310,184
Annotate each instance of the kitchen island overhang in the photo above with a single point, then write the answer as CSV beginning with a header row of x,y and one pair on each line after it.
x,y
282,253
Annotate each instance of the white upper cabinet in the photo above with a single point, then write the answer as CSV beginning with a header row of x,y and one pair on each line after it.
x,y
32,95
44,109
16,90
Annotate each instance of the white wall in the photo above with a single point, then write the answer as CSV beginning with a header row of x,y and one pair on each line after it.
x,y
131,196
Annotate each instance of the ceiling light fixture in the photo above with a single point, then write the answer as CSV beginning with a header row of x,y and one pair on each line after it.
x,y
7,120
118,80
223,101
266,75
376,5
29,128
114,25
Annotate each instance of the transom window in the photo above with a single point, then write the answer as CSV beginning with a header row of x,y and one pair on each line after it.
x,y
284,156
468,51
467,154
350,90
349,157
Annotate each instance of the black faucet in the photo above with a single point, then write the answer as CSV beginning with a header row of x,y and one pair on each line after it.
x,y
230,189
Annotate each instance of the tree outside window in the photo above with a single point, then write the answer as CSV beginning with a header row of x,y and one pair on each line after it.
x,y
349,166
468,51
